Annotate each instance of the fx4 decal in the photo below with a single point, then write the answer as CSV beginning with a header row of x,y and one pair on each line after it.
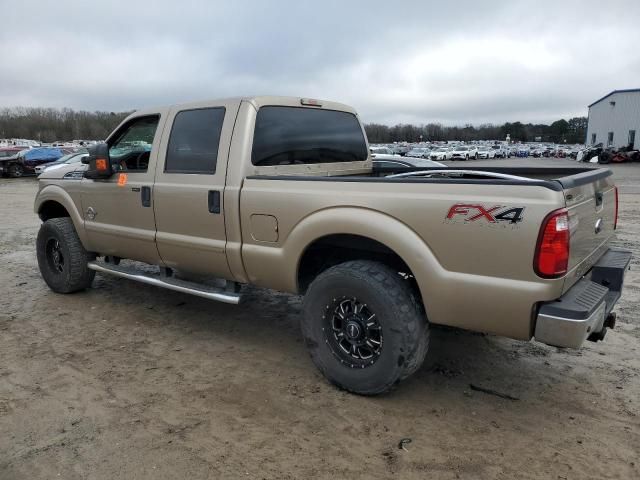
x,y
471,212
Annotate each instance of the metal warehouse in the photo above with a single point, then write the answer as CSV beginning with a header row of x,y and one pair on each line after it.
x,y
614,120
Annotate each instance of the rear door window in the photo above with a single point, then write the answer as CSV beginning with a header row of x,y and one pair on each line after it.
x,y
295,135
194,141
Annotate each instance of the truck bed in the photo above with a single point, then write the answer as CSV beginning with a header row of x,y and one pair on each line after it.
x,y
553,178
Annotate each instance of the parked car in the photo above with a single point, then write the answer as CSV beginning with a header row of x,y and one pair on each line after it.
x,y
501,151
418,153
27,160
486,152
9,160
440,153
66,160
464,152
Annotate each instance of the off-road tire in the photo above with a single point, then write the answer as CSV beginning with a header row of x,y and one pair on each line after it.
x,y
74,274
403,323
16,170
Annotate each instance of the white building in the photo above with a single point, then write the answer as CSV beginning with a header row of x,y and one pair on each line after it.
x,y
614,120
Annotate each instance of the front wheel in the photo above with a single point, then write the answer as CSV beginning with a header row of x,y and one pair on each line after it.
x,y
364,327
16,170
62,258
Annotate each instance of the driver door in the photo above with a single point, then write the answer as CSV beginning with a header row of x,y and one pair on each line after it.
x,y
118,211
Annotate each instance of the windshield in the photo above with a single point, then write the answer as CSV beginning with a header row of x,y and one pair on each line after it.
x,y
66,158
76,158
462,149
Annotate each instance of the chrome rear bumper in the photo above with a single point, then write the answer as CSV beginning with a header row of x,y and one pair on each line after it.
x,y
585,311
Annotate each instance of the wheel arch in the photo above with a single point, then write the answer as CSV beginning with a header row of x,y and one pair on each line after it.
x,y
381,237
54,202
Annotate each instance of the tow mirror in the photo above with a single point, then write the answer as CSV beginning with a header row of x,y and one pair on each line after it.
x,y
99,162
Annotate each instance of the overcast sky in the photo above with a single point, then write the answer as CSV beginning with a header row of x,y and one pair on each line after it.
x,y
394,61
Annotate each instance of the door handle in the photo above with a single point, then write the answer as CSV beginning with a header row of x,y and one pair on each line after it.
x,y
214,201
145,196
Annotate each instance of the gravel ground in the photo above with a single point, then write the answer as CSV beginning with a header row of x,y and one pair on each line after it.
x,y
127,381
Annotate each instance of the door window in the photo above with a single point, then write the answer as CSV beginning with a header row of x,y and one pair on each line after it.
x,y
131,148
194,141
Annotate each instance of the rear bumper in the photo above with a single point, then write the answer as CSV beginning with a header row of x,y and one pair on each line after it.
x,y
584,312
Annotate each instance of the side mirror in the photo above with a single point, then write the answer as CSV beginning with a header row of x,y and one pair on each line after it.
x,y
99,162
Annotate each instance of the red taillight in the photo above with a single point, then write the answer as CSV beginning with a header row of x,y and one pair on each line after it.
x,y
615,221
552,252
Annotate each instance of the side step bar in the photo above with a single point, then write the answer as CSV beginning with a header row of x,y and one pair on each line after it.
x,y
204,291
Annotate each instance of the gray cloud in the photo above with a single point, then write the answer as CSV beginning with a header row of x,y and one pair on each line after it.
x,y
407,61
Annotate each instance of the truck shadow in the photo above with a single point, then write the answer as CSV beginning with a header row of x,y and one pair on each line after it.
x,y
268,320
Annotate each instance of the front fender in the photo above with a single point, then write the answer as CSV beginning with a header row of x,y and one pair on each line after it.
x,y
57,194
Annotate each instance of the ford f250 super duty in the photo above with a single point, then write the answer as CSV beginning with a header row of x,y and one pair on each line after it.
x,y
280,193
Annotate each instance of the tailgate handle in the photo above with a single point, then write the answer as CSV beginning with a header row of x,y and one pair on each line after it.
x,y
214,201
598,199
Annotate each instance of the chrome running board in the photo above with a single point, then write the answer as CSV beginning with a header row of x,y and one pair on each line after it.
x,y
170,283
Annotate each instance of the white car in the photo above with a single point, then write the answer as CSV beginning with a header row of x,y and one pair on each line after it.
x,y
441,153
418,153
486,152
501,151
61,162
380,150
464,152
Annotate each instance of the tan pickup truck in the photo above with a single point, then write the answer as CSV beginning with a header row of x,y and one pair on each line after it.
x,y
280,193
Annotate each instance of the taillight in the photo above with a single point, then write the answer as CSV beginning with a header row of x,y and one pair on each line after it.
x,y
615,221
552,251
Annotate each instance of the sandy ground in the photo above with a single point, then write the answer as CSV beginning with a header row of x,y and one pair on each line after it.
x,y
126,381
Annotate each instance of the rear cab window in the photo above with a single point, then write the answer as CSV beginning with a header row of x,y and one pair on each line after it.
x,y
298,136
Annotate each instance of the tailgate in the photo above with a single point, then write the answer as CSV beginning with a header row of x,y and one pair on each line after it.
x,y
591,201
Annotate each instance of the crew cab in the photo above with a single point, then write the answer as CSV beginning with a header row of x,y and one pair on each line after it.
x,y
280,192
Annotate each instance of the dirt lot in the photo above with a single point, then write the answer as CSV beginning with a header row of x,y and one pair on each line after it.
x,y
127,381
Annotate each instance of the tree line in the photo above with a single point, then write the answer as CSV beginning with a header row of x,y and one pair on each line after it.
x,y
51,124
560,131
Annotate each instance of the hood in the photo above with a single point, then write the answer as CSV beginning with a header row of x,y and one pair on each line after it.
x,y
59,171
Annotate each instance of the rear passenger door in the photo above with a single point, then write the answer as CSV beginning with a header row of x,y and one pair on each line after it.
x,y
189,188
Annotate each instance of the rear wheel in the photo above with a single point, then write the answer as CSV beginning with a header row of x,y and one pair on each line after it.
x,y
364,327
62,258
16,170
